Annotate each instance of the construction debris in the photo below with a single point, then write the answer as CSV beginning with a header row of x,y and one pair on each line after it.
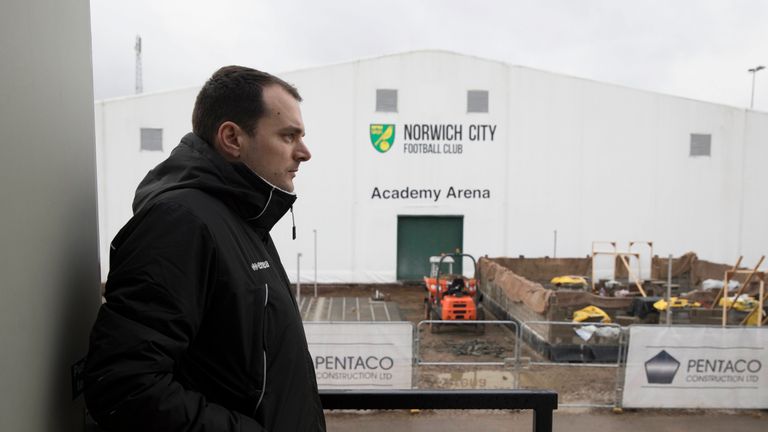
x,y
476,347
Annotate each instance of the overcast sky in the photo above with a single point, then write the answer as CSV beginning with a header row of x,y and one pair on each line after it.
x,y
699,49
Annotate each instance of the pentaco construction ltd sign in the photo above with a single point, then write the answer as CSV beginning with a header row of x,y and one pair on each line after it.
x,y
354,355
696,367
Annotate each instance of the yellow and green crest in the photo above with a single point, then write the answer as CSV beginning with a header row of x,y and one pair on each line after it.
x,y
382,137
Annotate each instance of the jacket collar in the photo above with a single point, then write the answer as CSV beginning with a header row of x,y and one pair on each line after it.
x,y
194,164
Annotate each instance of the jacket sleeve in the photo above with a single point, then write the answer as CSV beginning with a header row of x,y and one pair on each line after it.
x,y
161,265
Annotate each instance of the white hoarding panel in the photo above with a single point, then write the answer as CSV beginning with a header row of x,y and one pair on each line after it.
x,y
353,355
696,367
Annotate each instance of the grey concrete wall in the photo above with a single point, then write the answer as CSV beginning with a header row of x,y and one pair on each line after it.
x,y
49,267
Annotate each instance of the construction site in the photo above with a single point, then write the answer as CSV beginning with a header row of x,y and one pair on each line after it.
x,y
560,323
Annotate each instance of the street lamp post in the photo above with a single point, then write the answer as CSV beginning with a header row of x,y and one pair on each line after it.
x,y
754,72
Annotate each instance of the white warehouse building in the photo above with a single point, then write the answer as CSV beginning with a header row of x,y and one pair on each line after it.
x,y
426,152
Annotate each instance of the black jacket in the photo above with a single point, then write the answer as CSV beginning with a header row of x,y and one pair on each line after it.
x,y
200,331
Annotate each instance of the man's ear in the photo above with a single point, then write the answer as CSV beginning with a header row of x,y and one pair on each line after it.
x,y
227,140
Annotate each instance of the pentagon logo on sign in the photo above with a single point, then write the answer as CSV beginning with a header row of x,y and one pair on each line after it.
x,y
661,369
382,137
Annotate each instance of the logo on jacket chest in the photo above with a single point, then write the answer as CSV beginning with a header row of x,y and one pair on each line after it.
x,y
260,265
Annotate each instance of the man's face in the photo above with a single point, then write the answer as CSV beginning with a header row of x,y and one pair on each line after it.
x,y
277,148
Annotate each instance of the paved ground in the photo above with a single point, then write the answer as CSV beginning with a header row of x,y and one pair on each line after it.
x,y
565,420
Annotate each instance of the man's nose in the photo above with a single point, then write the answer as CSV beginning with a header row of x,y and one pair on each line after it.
x,y
302,152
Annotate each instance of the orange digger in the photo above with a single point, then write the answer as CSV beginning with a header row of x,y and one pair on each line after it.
x,y
452,297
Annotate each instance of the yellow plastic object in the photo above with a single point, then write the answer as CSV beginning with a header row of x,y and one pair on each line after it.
x,y
569,280
591,314
661,305
743,303
752,318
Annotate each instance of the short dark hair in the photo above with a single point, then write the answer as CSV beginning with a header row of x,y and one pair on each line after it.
x,y
233,93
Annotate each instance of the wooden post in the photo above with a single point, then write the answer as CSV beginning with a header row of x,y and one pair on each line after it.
x,y
629,272
594,254
593,268
759,308
724,289
760,303
669,291
725,297
749,279
639,260
765,321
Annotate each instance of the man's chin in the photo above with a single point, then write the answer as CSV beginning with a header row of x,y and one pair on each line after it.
x,y
285,186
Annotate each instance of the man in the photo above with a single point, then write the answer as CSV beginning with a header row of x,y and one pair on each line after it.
x,y
200,331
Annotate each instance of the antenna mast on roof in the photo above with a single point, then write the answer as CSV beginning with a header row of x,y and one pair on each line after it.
x,y
137,48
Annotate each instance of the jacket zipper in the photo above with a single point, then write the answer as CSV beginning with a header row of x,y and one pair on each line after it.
x,y
264,371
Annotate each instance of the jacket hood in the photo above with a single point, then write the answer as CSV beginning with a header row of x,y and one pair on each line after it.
x,y
194,164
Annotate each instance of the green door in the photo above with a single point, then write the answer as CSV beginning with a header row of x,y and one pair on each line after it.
x,y
420,237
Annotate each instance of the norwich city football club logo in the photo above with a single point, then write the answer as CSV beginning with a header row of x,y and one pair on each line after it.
x,y
382,136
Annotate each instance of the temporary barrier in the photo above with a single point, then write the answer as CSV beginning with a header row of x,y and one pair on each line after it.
x,y
463,358
596,383
361,355
650,366
574,342
696,367
595,349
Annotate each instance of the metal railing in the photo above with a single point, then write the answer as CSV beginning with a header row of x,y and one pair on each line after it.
x,y
517,365
542,402
617,364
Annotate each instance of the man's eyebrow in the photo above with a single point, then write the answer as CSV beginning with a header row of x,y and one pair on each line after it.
x,y
292,129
